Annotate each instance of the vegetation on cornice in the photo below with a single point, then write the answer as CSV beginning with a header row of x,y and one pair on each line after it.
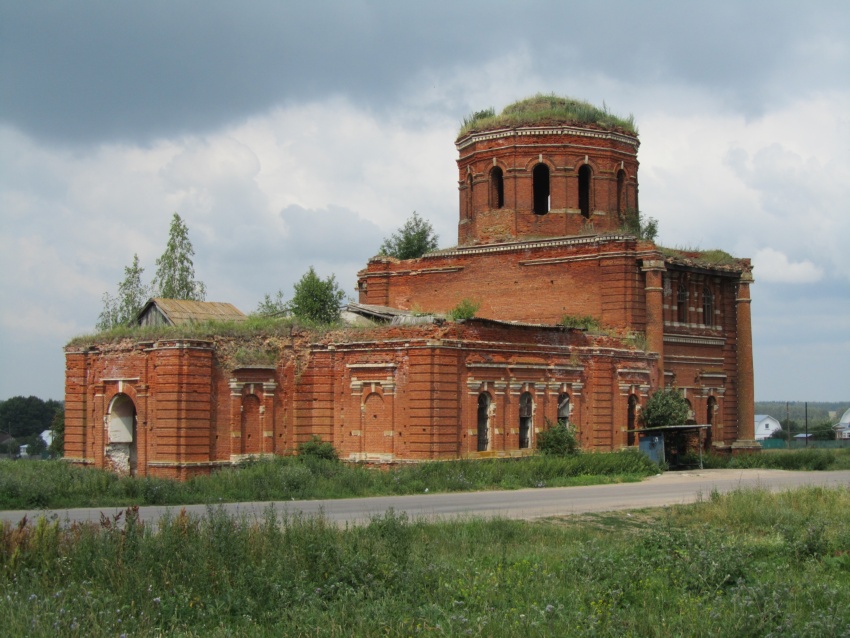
x,y
694,256
254,326
543,110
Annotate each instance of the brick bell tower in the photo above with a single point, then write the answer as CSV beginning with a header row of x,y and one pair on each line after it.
x,y
545,167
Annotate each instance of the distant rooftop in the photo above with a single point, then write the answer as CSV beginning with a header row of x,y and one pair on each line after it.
x,y
547,110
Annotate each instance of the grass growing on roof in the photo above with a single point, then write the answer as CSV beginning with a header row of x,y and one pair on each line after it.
x,y
711,257
541,110
254,326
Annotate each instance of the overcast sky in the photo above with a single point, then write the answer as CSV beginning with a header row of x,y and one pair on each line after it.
x,y
290,136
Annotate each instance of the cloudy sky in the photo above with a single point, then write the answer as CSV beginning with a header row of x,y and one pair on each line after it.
x,y
290,134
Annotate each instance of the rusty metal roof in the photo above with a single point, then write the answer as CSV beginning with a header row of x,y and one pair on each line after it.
x,y
182,311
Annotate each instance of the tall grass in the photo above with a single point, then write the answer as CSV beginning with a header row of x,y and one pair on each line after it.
x,y
53,484
749,563
806,459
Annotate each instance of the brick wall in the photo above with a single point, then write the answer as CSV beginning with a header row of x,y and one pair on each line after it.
x,y
610,164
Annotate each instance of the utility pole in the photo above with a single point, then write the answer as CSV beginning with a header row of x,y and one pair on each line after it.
x,y
807,423
788,423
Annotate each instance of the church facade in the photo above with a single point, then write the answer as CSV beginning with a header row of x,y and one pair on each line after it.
x,y
541,250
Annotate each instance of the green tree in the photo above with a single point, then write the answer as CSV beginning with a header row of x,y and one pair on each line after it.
x,y
175,272
132,295
36,446
412,240
272,306
316,299
27,416
643,228
57,426
665,407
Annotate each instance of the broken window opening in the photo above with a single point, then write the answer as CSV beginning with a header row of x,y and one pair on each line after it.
x,y
525,411
483,421
707,306
682,304
497,188
584,175
563,408
540,177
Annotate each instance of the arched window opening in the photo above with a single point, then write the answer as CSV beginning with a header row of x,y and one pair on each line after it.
x,y
525,411
707,306
682,303
540,176
632,420
563,408
621,191
497,188
483,421
584,175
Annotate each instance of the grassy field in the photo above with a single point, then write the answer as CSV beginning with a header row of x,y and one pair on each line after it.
x,y
53,484
26,485
749,563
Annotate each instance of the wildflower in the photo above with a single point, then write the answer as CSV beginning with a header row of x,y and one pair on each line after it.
x,y
549,609
157,600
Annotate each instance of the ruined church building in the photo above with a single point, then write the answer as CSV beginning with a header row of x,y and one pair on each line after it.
x,y
542,205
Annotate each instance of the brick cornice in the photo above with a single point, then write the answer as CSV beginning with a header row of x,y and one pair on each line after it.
x,y
474,138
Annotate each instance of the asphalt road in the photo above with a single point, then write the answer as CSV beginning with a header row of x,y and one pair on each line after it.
x,y
667,489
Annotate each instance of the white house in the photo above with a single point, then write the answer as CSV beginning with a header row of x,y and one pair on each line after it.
x,y
842,428
766,425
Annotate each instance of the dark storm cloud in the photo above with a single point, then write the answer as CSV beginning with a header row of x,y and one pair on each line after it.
x,y
94,71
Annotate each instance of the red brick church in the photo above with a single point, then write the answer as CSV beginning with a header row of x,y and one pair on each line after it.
x,y
543,202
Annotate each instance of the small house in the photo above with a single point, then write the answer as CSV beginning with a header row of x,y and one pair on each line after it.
x,y
765,426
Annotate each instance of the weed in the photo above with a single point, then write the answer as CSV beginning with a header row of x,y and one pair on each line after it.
x,y
466,309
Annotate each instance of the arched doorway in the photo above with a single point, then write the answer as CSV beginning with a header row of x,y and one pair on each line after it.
x,y
632,420
526,409
483,422
121,451
711,420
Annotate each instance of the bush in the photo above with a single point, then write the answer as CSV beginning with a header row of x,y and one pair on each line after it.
x,y
466,309
665,407
316,448
558,439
